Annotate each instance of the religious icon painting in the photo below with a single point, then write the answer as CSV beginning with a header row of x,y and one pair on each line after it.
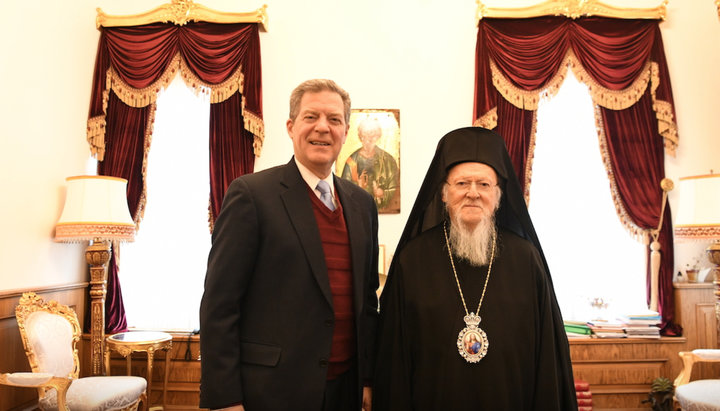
x,y
370,157
472,344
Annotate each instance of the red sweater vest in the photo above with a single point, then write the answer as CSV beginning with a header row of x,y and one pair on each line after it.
x,y
336,246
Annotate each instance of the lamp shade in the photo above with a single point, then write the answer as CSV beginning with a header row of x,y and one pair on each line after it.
x,y
698,213
95,208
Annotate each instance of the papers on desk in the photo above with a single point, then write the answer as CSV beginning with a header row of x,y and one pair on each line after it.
x,y
642,324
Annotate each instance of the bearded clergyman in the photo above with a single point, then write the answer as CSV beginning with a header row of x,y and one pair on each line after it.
x,y
469,317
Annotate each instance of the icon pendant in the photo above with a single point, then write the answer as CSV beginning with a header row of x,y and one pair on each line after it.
x,y
472,342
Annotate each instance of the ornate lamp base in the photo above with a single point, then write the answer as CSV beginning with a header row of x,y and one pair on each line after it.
x,y
97,255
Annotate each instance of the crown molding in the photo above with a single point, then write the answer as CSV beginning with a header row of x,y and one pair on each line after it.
x,y
573,9
180,12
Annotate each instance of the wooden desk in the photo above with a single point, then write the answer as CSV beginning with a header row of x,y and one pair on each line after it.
x,y
141,341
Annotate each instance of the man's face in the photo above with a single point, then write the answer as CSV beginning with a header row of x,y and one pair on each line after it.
x,y
471,193
319,131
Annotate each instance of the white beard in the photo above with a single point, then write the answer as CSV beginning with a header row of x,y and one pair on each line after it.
x,y
473,246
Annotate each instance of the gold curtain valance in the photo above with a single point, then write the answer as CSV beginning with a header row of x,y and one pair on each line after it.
x,y
180,12
572,9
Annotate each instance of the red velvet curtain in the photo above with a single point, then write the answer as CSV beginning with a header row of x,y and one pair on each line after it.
x,y
229,157
124,148
624,63
132,65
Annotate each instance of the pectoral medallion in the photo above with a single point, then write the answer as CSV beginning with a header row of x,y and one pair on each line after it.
x,y
472,341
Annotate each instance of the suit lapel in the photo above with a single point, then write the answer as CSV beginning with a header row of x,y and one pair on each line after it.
x,y
299,209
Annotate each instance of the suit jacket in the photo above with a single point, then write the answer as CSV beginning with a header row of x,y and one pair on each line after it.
x,y
266,316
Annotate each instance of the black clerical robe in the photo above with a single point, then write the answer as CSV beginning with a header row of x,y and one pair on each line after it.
x,y
419,367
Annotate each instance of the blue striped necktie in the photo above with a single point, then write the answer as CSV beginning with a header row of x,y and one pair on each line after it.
x,y
325,194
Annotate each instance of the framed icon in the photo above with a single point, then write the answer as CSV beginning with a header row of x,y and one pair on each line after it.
x,y
371,156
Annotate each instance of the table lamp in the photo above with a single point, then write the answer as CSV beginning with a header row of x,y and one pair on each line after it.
x,y
698,219
96,210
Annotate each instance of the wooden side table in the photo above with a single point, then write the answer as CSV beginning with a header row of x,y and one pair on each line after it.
x,y
141,341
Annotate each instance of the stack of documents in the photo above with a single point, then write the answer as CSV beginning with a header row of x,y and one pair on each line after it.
x,y
607,329
642,324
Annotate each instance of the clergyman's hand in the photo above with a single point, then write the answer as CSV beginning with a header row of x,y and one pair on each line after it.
x,y
233,408
367,399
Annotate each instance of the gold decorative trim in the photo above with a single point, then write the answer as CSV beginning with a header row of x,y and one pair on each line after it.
x,y
31,303
223,91
697,232
142,97
526,99
605,97
218,92
255,125
717,4
211,219
180,12
488,120
664,114
138,98
530,159
69,232
573,9
140,213
638,233
96,136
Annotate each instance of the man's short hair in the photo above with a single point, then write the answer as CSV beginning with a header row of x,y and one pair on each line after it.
x,y
316,86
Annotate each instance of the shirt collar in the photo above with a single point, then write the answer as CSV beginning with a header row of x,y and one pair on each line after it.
x,y
311,179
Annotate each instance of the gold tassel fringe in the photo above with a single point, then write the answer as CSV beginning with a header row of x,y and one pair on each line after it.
x,y
488,120
96,136
664,114
530,159
604,97
638,233
140,213
137,98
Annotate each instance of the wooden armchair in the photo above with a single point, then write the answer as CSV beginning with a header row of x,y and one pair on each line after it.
x,y
50,333
700,394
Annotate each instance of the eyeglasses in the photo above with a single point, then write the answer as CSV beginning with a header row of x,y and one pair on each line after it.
x,y
464,186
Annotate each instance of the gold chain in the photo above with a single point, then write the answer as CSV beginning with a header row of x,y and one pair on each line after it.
x,y
487,278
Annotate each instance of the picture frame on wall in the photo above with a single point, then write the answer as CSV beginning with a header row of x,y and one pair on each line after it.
x,y
370,157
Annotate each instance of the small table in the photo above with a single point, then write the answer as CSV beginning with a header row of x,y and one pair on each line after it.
x,y
141,341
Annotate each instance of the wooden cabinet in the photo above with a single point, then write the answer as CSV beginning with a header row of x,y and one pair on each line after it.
x,y
620,370
695,312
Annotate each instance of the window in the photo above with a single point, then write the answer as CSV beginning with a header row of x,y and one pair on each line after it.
x,y
162,272
589,252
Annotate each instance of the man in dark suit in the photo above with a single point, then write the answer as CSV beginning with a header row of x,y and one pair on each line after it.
x,y
289,312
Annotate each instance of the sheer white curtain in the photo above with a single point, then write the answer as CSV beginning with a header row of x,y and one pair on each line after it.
x,y
589,253
162,272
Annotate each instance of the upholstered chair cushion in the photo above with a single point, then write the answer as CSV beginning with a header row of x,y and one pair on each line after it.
x,y
98,393
707,353
51,337
700,395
